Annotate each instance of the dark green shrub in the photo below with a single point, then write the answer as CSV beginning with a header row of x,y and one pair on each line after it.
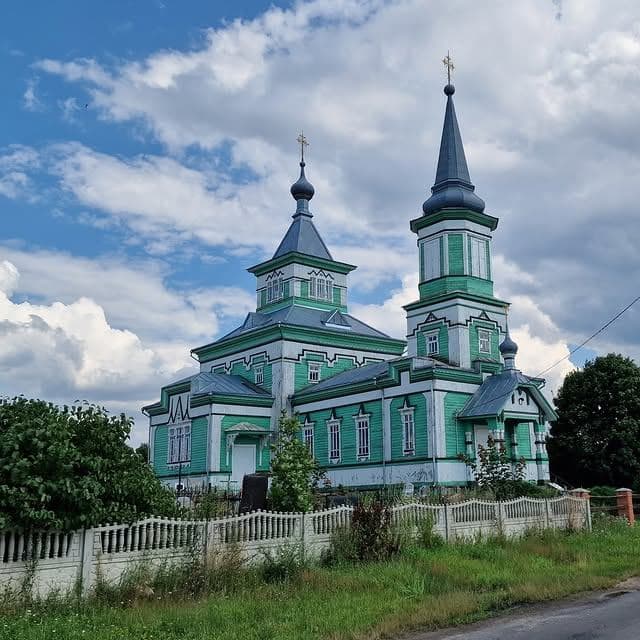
x,y
284,564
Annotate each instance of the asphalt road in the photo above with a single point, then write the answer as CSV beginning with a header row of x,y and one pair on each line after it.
x,y
614,615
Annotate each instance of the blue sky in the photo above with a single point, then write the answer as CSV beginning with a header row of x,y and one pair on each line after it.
x,y
147,149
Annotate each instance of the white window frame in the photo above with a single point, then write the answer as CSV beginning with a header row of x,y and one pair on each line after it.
x,y
275,289
431,339
308,436
334,437
321,288
363,436
484,337
258,374
479,266
407,416
314,372
431,258
179,444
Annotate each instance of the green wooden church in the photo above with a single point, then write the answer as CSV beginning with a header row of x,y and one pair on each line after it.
x,y
374,410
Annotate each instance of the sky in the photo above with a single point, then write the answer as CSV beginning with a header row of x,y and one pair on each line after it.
x,y
147,148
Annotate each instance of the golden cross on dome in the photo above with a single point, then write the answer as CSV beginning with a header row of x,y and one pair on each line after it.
x,y
303,142
448,62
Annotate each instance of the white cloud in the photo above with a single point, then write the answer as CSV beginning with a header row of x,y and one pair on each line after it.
x,y
16,164
30,98
101,331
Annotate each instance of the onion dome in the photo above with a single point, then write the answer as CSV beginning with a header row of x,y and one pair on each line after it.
x,y
508,349
452,187
302,189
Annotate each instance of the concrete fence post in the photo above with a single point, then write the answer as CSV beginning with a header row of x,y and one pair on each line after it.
x,y
625,504
86,559
447,522
502,517
584,494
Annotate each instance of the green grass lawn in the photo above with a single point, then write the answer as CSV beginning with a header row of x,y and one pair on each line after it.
x,y
422,588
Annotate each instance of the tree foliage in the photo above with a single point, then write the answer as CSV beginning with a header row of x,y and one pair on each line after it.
x,y
70,467
596,440
294,470
495,471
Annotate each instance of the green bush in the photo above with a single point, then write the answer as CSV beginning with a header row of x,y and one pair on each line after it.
x,y
428,537
371,536
284,564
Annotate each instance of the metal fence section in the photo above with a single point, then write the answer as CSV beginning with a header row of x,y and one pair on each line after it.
x,y
108,551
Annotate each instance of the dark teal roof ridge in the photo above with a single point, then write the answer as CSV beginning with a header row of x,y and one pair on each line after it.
x,y
296,315
492,395
303,237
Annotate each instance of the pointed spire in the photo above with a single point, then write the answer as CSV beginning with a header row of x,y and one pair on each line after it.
x,y
452,187
508,349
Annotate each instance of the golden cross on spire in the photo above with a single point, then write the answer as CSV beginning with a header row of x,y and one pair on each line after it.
x,y
303,142
448,62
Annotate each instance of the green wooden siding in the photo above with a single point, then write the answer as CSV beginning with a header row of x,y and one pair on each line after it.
x,y
443,339
473,340
418,401
524,440
348,436
198,461
304,289
456,254
301,374
262,462
450,284
239,369
263,297
337,295
454,430
219,369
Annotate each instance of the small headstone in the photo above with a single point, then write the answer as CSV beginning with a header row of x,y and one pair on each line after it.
x,y
254,492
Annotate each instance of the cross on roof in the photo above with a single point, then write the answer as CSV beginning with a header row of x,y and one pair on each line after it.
x,y
448,62
303,142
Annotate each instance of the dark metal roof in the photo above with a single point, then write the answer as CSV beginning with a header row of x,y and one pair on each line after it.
x,y
305,317
452,187
493,394
303,237
206,383
349,377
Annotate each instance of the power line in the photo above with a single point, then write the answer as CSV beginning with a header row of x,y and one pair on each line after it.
x,y
582,344
591,337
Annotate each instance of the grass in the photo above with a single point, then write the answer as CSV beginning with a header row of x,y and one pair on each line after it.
x,y
422,588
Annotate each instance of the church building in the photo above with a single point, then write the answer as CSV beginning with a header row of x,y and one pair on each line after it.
x,y
374,410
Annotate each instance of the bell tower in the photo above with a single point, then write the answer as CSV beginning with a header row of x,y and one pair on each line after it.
x,y
456,319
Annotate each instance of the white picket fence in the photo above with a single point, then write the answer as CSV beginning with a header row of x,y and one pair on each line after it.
x,y
62,561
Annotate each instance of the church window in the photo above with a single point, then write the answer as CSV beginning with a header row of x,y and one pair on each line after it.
x,y
362,428
408,432
180,444
307,436
484,341
314,371
432,344
334,440
275,289
432,259
258,373
321,288
479,267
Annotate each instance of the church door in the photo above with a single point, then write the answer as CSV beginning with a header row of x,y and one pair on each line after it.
x,y
243,462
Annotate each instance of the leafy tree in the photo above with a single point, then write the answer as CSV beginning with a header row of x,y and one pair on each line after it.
x,y
143,451
596,439
70,467
495,471
294,470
